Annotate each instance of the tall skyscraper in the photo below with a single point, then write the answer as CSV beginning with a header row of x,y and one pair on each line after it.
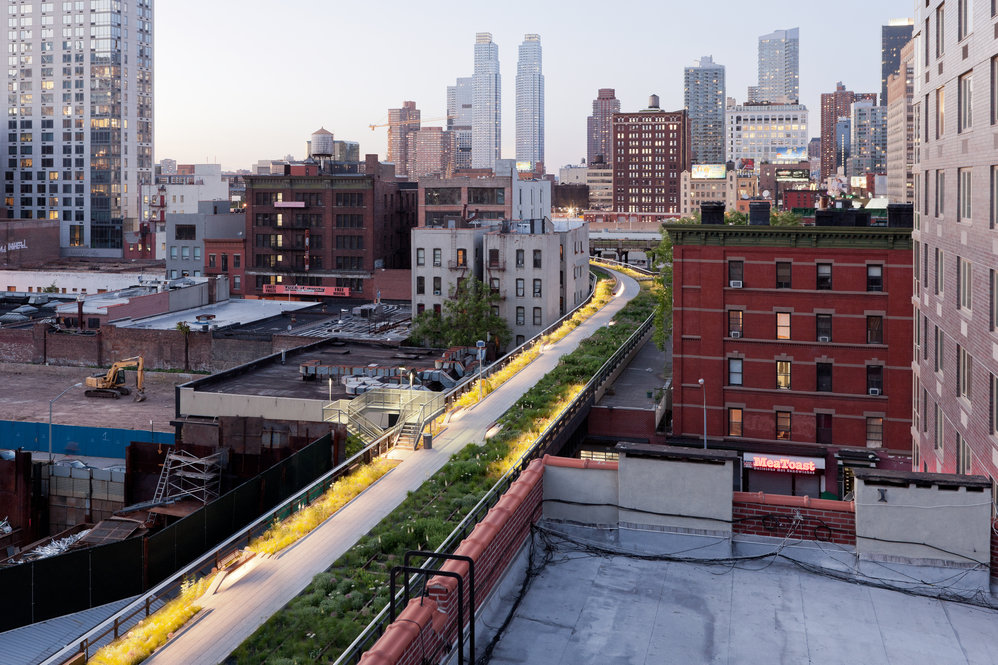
x,y
704,100
901,129
835,106
460,98
893,37
81,113
598,127
486,126
868,139
779,68
403,124
530,102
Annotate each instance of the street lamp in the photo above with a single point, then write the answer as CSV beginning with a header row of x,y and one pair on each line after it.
x,y
51,402
703,389
481,360
330,390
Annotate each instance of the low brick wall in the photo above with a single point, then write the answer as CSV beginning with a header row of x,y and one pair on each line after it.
x,y
771,515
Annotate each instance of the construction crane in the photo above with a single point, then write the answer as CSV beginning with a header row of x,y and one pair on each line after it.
x,y
412,122
112,383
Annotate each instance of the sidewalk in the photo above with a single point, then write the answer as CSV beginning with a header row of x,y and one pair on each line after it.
x,y
243,604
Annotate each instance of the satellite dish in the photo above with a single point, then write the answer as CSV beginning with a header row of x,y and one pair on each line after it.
x,y
765,193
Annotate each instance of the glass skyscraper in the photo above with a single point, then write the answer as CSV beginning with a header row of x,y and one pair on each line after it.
x,y
486,125
704,98
530,102
779,68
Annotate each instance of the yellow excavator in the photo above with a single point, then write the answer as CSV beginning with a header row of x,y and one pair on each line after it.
x,y
112,383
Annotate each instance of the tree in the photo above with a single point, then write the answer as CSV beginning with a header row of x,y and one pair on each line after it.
x,y
784,218
51,288
467,317
185,329
736,218
660,261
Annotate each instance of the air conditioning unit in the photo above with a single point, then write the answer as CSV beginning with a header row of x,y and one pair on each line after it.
x,y
824,338
735,283
436,292
735,334
874,391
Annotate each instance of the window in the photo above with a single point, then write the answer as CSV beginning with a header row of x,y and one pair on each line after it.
x,y
994,90
436,286
964,195
537,316
519,287
940,29
173,251
940,192
939,272
211,260
783,374
185,232
735,323
736,272
519,340
965,18
236,260
783,425
783,274
462,257
237,283
823,327
823,427
993,299
993,216
965,103
197,253
537,288
494,258
940,111
874,379
735,371
537,258
824,276
938,344
962,454
734,422
874,278
964,372
874,330
993,403
520,316
420,285
824,377
874,432
436,257
937,440
519,258
420,256
783,325
965,283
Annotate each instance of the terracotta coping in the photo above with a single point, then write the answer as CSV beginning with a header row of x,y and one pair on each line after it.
x,y
793,501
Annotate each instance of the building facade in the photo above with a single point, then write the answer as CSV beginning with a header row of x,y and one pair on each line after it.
x,y
800,335
704,99
956,374
764,132
599,136
430,150
651,149
893,37
779,68
834,107
731,188
82,127
530,102
186,233
867,139
452,202
486,109
403,123
227,256
336,232
901,129
460,97
599,179
571,174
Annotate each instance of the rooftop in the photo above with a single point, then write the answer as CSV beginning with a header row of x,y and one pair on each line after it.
x,y
230,312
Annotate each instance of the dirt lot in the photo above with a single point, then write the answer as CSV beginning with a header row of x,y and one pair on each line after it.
x,y
25,391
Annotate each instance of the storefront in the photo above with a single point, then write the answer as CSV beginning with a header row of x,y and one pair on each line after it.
x,y
785,474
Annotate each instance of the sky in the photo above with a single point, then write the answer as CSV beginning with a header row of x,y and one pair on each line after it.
x,y
237,81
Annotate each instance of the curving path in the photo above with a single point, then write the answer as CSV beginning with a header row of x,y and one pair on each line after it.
x,y
251,596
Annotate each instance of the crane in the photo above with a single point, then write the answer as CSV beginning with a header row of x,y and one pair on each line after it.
x,y
412,122
112,383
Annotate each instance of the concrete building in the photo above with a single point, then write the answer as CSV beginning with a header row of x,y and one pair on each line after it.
x,y
901,129
893,37
430,153
178,193
451,202
530,102
460,98
730,188
779,69
834,107
867,139
403,123
572,175
651,148
599,179
703,98
84,122
956,285
763,132
538,268
599,137
800,335
186,233
486,109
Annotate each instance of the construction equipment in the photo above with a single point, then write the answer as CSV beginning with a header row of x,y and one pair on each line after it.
x,y
112,383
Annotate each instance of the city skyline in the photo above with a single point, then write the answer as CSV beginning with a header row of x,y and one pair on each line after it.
x,y
201,117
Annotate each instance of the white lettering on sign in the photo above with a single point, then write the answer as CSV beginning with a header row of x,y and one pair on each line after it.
x,y
13,246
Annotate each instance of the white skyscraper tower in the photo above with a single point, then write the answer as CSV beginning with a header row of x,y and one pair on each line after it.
x,y
460,100
530,102
779,68
704,97
486,124
80,111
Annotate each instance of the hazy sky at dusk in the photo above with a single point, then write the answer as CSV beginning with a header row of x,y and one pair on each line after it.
x,y
241,81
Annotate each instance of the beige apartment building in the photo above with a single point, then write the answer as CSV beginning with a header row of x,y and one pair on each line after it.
x,y
901,129
734,186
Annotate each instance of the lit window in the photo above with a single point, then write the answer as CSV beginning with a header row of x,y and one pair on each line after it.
x,y
735,318
783,425
874,432
734,422
874,330
783,325
783,374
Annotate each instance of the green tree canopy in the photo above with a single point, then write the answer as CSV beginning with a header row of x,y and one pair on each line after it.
x,y
467,317
660,261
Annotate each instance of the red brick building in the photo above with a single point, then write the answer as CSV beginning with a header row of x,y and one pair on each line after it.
x,y
802,336
651,148
835,105
227,256
326,232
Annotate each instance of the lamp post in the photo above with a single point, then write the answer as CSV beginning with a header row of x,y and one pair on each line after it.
x,y
703,389
330,390
481,360
51,402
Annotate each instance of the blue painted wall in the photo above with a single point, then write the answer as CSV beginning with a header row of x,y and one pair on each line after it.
x,y
73,440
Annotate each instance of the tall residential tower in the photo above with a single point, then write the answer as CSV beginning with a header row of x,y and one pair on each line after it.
x,y
530,102
486,126
403,124
834,107
779,68
598,127
704,101
80,118
460,97
893,37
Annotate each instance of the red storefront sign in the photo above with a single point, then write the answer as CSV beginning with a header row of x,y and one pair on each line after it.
x,y
297,290
781,464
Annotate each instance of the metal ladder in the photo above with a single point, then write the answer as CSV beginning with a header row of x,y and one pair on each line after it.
x,y
164,478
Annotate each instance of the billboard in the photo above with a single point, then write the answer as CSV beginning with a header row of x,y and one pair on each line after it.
x,y
793,175
790,155
857,182
708,172
298,290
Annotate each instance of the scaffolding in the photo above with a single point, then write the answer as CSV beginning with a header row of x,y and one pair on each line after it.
x,y
184,476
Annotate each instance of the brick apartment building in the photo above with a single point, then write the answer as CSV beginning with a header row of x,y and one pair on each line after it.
x,y
227,256
651,149
334,234
802,338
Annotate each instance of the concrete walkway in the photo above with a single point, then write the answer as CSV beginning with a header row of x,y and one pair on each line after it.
x,y
244,602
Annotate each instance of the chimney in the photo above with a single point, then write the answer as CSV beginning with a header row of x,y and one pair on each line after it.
x,y
759,213
712,212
